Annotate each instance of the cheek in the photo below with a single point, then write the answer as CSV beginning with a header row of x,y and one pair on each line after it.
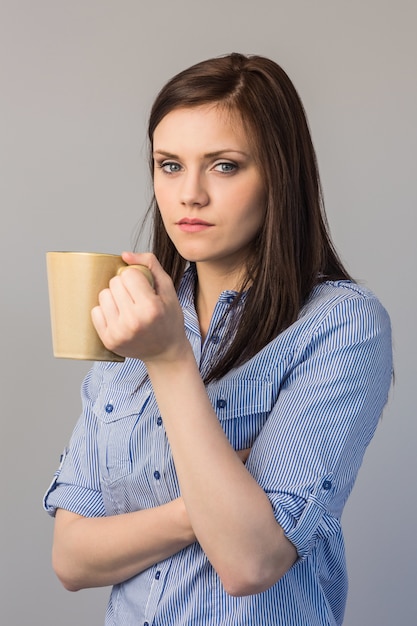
x,y
255,210
161,185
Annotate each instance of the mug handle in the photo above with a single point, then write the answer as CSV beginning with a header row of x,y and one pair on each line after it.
x,y
142,268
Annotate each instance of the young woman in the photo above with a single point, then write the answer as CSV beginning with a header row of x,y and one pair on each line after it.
x,y
206,477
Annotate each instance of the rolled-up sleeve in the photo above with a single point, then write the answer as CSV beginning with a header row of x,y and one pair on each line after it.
x,y
76,484
308,453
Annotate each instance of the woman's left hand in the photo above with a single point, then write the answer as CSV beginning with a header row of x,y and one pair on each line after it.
x,y
135,320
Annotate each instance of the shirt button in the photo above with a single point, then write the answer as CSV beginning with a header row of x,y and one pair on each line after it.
x,y
159,421
145,623
230,299
215,339
221,403
157,575
156,475
327,485
109,408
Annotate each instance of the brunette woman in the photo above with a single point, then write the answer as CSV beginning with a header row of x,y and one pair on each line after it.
x,y
206,477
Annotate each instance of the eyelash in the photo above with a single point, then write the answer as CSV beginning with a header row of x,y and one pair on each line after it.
x,y
163,165
228,164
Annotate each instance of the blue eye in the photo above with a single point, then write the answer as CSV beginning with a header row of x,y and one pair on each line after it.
x,y
170,167
225,167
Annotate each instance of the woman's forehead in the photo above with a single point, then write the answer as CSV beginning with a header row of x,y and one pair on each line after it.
x,y
212,124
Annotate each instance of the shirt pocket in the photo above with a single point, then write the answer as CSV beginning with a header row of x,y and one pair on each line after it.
x,y
117,425
242,407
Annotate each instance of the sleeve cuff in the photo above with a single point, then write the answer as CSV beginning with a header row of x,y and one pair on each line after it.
x,y
73,498
314,522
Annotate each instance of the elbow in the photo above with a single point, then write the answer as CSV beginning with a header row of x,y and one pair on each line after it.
x,y
67,582
238,586
65,574
68,585
255,575
250,580
239,589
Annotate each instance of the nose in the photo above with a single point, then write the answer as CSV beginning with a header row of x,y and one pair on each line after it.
x,y
193,190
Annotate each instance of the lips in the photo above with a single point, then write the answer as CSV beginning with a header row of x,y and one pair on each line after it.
x,y
193,224
193,221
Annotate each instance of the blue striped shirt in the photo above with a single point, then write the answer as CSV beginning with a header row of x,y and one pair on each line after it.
x,y
307,404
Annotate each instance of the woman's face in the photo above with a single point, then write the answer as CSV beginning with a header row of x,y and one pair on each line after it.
x,y
207,185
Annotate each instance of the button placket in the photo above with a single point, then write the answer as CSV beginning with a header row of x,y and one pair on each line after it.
x,y
157,469
159,573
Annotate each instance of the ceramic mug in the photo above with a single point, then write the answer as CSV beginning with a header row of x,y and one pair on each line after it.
x,y
74,281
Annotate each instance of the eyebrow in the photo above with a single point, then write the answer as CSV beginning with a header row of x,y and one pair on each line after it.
x,y
209,155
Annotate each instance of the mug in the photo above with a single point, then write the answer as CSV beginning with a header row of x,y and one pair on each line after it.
x,y
74,281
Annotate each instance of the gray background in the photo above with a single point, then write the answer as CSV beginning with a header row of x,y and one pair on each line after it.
x,y
77,79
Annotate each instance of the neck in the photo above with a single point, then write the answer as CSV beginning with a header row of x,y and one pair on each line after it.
x,y
211,283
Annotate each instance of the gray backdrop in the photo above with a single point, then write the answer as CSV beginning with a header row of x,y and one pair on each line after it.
x,y
77,79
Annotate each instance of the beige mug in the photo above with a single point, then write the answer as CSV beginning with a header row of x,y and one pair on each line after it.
x,y
74,281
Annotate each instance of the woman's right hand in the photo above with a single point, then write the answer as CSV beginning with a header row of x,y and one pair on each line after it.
x,y
137,320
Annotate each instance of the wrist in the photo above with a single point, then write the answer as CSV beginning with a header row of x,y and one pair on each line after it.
x,y
177,357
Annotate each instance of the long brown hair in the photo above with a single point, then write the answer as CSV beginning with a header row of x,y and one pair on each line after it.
x,y
293,250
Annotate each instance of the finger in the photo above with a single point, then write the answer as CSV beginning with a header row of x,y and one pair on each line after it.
x,y
141,268
163,285
99,321
148,259
105,315
109,302
122,291
139,258
135,282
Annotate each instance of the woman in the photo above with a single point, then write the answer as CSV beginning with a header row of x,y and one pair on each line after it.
x,y
206,477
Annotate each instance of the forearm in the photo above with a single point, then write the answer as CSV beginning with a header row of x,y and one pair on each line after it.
x,y
95,552
231,515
